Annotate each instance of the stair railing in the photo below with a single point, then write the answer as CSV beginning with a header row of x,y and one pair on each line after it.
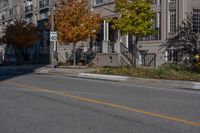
x,y
126,52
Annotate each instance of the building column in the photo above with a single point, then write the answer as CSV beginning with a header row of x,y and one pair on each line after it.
x,y
181,14
158,2
118,42
164,19
127,41
158,24
166,56
105,43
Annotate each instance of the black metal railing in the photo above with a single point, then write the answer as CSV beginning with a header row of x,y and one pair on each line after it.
x,y
84,57
127,53
111,46
149,59
28,8
43,3
79,56
140,54
92,51
143,58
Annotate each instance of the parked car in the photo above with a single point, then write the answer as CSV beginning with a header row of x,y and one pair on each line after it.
x,y
10,59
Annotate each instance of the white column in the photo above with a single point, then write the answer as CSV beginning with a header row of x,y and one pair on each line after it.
x,y
107,35
118,42
172,55
158,24
166,56
127,41
158,19
164,20
104,30
158,2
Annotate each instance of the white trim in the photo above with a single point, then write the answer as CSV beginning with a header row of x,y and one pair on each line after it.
x,y
107,31
127,41
104,30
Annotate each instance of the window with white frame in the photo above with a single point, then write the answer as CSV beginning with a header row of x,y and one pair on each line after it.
x,y
29,19
43,15
156,26
3,3
156,2
97,2
172,20
172,55
196,20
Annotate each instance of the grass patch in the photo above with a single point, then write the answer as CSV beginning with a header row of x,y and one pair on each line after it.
x,y
172,72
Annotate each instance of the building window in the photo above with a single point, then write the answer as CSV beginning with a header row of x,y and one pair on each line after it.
x,y
156,2
43,3
196,20
29,19
43,15
98,2
172,55
3,17
3,3
156,26
172,20
10,11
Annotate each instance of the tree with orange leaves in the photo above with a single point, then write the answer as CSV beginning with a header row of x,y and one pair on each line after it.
x,y
75,22
20,35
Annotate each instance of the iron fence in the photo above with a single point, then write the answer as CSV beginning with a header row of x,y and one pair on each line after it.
x,y
149,59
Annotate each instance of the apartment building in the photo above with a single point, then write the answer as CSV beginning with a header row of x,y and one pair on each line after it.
x,y
9,10
35,11
168,15
31,10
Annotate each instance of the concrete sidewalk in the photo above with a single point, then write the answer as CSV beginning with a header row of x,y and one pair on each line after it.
x,y
46,69
84,72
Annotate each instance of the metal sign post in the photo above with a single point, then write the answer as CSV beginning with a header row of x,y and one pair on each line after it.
x,y
53,35
53,39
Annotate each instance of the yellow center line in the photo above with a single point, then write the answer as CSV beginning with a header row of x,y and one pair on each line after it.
x,y
117,106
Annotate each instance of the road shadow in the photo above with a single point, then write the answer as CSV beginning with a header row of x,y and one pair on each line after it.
x,y
11,71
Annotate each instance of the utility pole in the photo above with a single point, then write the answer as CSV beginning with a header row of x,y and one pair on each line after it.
x,y
52,29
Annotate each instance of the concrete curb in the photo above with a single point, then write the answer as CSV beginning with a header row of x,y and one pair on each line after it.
x,y
196,86
104,77
163,82
171,83
168,83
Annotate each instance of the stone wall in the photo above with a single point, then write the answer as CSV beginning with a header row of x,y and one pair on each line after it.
x,y
154,47
106,59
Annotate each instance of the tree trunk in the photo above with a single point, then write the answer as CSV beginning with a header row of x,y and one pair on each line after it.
x,y
135,51
91,42
74,53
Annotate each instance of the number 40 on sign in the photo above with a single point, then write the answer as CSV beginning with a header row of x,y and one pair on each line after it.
x,y
53,36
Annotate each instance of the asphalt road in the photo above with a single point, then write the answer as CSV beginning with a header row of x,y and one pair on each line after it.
x,y
33,103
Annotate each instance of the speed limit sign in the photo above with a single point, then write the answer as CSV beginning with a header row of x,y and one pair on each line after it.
x,y
53,36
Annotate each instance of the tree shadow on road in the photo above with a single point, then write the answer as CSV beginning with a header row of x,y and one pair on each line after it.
x,y
12,71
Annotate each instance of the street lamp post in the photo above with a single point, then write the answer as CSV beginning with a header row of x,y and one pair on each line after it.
x,y
52,29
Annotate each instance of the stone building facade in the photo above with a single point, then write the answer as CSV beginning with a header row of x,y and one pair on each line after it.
x,y
168,15
34,11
